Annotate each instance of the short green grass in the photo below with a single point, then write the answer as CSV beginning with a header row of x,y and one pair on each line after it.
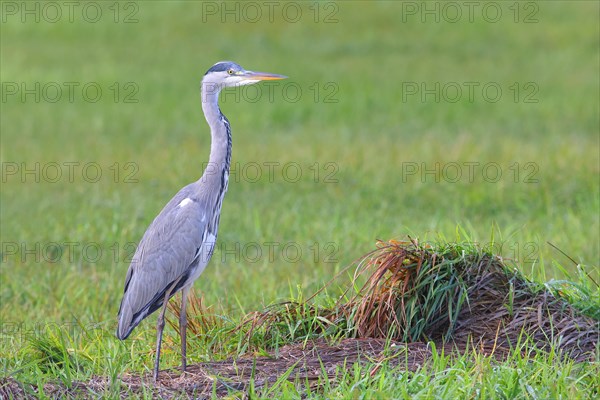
x,y
65,244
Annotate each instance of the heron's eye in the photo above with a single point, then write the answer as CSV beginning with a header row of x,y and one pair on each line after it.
x,y
230,71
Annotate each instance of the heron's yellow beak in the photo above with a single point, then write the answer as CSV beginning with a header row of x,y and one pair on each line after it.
x,y
262,76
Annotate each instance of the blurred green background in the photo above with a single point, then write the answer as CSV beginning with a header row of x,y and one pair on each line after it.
x,y
371,105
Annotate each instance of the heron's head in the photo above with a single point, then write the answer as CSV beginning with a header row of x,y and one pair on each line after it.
x,y
229,74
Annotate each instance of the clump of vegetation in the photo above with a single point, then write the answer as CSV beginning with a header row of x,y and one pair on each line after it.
x,y
450,294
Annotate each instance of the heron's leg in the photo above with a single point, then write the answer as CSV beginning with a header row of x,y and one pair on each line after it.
x,y
160,325
183,327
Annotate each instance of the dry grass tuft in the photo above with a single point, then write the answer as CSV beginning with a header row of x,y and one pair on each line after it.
x,y
201,319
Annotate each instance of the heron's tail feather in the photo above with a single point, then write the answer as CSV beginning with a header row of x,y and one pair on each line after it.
x,y
125,325
129,317
131,314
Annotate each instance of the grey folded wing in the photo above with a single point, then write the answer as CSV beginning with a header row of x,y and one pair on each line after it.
x,y
169,250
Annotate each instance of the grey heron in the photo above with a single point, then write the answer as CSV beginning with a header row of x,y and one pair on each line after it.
x,y
180,241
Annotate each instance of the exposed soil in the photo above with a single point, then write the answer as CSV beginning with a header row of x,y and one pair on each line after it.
x,y
309,364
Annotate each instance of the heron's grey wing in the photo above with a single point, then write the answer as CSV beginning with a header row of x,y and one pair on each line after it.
x,y
171,245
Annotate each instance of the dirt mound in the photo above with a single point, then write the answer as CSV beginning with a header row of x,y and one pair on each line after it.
x,y
466,298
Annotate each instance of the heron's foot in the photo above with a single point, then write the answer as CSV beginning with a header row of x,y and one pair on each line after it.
x,y
155,373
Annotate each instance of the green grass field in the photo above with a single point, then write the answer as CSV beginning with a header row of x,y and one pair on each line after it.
x,y
480,127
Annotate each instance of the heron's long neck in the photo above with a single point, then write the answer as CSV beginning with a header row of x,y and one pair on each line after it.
x,y
217,171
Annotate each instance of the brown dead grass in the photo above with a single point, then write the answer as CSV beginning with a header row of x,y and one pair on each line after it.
x,y
476,297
